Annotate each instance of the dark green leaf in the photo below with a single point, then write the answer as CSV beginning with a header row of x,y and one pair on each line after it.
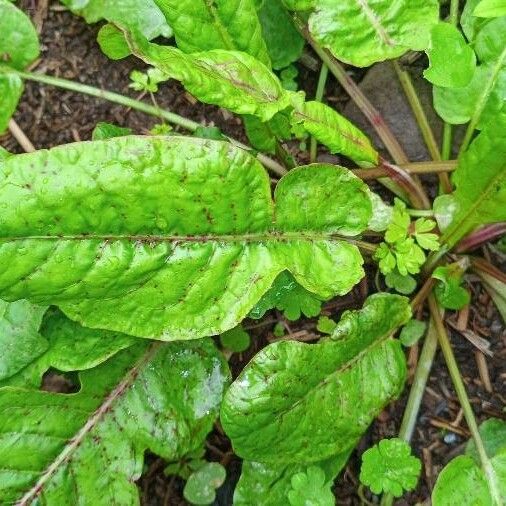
x,y
236,339
336,388
89,447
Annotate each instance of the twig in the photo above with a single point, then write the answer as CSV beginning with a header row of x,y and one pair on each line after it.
x,y
20,136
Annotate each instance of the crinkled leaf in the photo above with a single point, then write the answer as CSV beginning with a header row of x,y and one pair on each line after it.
x,y
19,44
200,25
128,235
288,296
108,131
490,8
283,41
68,347
452,60
230,79
236,339
202,484
142,15
269,484
112,42
412,332
335,132
20,340
367,31
310,487
11,89
480,180
449,292
89,446
389,467
336,388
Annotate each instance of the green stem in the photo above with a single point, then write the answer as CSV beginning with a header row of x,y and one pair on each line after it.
x,y
416,393
421,212
320,89
454,12
482,102
117,98
422,121
453,369
446,149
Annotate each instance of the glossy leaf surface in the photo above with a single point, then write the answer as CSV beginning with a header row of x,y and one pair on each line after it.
x,y
128,235
480,180
200,25
20,340
362,32
336,388
89,447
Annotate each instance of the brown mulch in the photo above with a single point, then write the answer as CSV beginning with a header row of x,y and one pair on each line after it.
x,y
51,116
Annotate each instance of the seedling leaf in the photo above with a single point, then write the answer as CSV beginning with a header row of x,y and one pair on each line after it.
x,y
449,292
311,487
412,332
202,484
108,131
236,339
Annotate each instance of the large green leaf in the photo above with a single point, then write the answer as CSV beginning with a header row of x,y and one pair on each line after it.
x,y
362,32
269,484
200,25
20,340
284,42
143,15
63,345
19,46
335,132
336,388
230,79
480,180
171,238
87,448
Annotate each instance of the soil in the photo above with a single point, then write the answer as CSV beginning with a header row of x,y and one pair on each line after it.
x,y
51,116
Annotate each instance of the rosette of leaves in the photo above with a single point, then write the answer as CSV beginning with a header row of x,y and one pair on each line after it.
x,y
19,47
127,235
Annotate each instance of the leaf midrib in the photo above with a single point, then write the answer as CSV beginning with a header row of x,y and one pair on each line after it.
x,y
375,23
74,443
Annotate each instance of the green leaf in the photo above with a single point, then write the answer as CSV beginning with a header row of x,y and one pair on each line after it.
x,y
398,227
288,296
490,8
200,25
11,89
20,340
490,42
452,61
389,467
311,487
89,447
124,235
336,388
402,284
236,339
19,44
449,292
326,325
493,435
259,134
367,31
68,347
230,79
112,42
211,132
202,484
108,131
288,78
269,484
480,180
412,332
142,15
335,132
471,24
284,43
422,236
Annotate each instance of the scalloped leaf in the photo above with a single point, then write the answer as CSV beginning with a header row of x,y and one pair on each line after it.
x,y
89,446
336,389
200,25
363,32
127,234
480,180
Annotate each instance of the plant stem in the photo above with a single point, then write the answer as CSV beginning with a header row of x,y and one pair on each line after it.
x,y
320,89
410,168
482,102
417,213
117,98
460,389
446,148
481,236
454,12
421,119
